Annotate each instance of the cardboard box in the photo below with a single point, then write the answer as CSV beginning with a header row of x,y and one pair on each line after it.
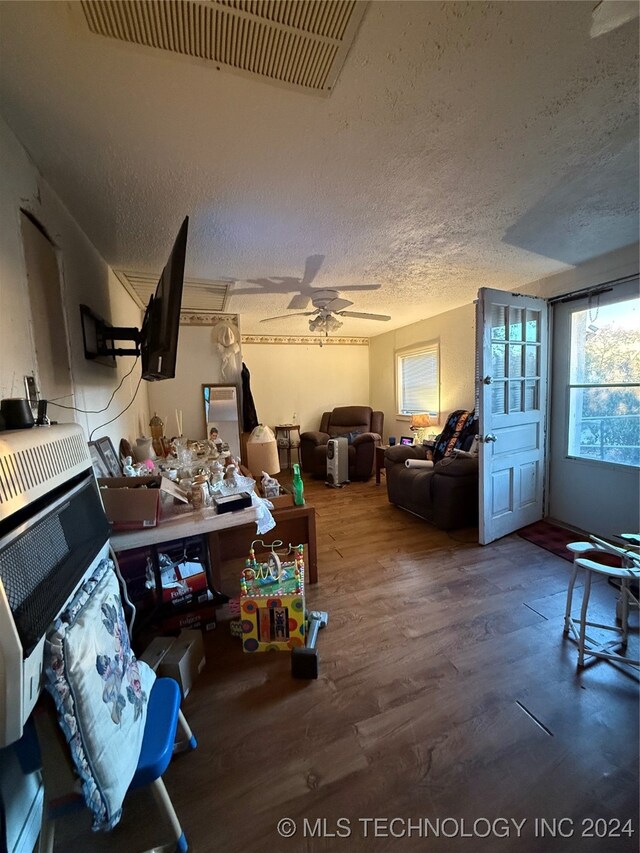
x,y
156,651
128,482
184,660
202,617
130,508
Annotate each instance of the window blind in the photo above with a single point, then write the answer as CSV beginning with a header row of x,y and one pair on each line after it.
x,y
418,381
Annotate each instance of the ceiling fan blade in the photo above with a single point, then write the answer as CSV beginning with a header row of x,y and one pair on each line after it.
x,y
363,316
361,287
337,304
286,316
311,268
300,300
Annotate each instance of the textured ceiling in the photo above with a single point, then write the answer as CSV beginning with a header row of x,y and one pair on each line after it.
x,y
464,144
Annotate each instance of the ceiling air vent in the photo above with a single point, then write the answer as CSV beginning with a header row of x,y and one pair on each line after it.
x,y
197,294
296,43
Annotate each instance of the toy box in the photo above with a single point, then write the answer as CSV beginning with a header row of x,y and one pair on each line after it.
x,y
272,607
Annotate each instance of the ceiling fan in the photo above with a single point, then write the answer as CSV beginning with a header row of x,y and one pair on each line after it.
x,y
300,287
328,306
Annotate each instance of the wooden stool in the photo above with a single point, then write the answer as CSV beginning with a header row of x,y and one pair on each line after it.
x,y
629,570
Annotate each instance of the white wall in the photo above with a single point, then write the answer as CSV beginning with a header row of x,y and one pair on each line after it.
x,y
198,363
608,267
85,278
455,332
306,379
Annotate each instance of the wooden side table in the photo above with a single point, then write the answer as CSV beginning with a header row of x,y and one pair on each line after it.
x,y
380,449
296,524
283,440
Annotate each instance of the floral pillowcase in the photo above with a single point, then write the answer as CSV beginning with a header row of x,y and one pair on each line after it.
x,y
101,693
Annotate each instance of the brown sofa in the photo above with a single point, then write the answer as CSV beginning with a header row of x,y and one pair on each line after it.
x,y
446,494
363,429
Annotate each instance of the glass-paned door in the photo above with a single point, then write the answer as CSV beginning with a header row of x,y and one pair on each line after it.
x,y
512,345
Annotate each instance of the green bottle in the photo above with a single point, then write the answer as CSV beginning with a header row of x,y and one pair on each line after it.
x,y
298,486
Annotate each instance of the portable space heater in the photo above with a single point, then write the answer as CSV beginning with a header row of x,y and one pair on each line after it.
x,y
337,462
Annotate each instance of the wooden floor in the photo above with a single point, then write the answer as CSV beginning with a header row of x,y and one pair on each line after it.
x,y
447,693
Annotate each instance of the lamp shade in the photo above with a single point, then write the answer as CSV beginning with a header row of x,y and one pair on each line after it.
x,y
262,452
420,421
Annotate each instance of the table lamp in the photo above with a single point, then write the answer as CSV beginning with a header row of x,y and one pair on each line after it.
x,y
262,452
419,425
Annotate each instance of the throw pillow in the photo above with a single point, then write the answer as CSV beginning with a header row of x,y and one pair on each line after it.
x,y
100,691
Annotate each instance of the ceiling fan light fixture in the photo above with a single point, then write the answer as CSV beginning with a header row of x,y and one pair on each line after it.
x,y
324,323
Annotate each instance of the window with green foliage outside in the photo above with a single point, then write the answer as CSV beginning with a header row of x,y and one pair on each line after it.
x,y
604,384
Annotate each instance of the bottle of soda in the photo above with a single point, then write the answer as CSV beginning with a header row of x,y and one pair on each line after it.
x,y
298,486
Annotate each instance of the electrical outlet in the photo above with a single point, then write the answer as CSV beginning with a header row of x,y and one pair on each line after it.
x,y
32,391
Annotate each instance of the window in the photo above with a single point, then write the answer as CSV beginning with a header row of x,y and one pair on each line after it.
x,y
604,383
418,381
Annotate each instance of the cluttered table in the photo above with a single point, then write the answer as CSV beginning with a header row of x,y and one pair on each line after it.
x,y
229,534
179,524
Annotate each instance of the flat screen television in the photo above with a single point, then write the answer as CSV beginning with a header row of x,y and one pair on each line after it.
x,y
161,324
157,341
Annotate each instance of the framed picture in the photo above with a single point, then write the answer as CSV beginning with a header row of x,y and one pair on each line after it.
x,y
406,439
99,465
110,456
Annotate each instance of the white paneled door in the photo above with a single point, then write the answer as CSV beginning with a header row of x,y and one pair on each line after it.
x,y
512,350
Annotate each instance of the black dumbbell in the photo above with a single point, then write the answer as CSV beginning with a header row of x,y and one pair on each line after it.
x,y
304,659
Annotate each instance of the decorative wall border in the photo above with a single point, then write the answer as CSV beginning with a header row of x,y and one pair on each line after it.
x,y
315,340
206,318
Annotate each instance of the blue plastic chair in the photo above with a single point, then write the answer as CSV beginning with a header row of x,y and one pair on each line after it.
x,y
158,746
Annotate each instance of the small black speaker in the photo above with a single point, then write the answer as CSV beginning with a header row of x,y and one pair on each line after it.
x,y
17,413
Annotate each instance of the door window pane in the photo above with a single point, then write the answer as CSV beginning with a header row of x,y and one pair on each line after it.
x,y
515,360
531,361
498,361
498,322
515,396
515,324
531,395
532,325
498,398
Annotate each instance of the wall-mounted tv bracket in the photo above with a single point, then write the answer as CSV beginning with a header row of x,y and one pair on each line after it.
x,y
100,338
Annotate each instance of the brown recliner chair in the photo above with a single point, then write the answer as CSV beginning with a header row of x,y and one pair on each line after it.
x,y
363,429
446,494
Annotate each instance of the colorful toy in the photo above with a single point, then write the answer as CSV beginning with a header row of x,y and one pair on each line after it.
x,y
272,607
